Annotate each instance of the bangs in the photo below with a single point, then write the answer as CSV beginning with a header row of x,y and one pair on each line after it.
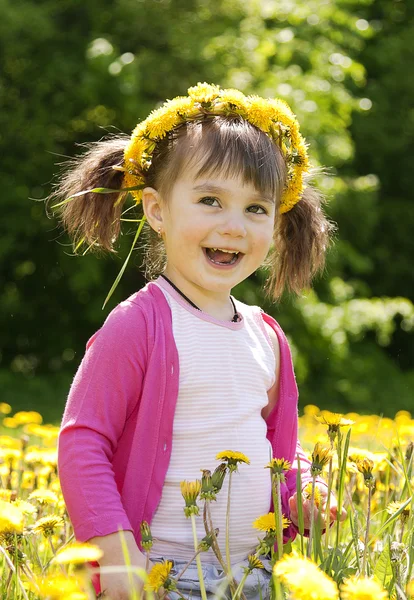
x,y
227,147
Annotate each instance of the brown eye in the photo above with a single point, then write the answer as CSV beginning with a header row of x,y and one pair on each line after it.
x,y
259,210
208,200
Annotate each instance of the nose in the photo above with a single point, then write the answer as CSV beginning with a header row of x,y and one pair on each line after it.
x,y
233,225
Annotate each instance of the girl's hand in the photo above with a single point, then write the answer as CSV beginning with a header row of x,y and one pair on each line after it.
x,y
293,506
119,586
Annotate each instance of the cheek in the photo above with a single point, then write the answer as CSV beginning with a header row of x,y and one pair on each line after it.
x,y
263,239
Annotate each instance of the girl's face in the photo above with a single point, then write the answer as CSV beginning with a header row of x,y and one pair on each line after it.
x,y
215,213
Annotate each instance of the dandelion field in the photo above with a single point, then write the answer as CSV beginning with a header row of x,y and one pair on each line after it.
x,y
366,460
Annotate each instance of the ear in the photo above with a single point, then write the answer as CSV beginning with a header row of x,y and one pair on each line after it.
x,y
153,207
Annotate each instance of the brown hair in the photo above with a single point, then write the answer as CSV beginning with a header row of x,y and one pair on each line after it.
x,y
229,146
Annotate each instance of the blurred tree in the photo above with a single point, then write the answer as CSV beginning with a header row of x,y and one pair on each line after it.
x,y
74,71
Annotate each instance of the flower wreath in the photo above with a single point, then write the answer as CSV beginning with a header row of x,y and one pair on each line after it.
x,y
272,116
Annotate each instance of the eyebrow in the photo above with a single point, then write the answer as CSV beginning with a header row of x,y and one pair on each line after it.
x,y
215,189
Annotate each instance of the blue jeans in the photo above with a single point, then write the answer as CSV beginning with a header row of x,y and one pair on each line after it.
x,y
256,586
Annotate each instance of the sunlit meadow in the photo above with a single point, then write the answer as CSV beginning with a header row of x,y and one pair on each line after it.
x,y
366,460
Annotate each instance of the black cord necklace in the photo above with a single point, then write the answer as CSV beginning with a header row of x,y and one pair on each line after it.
x,y
235,318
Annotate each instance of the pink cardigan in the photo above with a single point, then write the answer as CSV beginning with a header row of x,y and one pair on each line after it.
x,y
116,437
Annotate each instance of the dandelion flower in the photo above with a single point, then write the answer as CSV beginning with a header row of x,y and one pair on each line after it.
x,y
334,420
307,493
362,589
23,417
304,579
11,518
6,495
190,491
218,476
56,587
365,466
43,497
146,536
159,576
26,508
278,466
393,507
204,92
207,487
47,525
232,458
5,408
267,522
320,457
259,112
254,562
78,553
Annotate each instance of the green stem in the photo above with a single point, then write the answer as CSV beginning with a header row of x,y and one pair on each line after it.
x,y
277,505
364,556
312,517
240,586
228,558
209,528
328,507
198,560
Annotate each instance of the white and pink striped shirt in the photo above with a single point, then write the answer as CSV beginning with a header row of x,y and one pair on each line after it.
x,y
226,369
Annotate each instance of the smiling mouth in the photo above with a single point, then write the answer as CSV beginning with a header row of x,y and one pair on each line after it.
x,y
219,256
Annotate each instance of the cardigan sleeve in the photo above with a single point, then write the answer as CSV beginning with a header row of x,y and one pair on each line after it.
x,y
105,391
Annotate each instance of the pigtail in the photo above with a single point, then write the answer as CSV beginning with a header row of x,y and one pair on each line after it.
x,y
92,219
301,239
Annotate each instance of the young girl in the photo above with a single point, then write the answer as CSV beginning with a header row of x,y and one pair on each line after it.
x,y
182,370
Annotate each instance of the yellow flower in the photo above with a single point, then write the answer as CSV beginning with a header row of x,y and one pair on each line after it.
x,y
26,508
30,416
304,580
393,507
56,587
362,589
47,525
6,494
78,553
333,420
161,121
159,576
254,562
307,493
267,522
259,112
43,497
365,466
47,432
278,466
204,92
320,457
5,408
10,423
11,518
410,589
7,441
232,458
190,491
235,98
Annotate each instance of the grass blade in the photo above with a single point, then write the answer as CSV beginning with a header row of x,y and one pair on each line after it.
x,y
121,272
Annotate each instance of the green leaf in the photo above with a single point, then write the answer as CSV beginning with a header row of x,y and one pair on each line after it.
x,y
383,570
393,517
124,266
99,190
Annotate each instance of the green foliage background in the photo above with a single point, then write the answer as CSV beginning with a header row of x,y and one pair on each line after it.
x,y
74,70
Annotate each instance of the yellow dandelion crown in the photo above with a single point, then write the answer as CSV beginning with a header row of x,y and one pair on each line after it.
x,y
272,116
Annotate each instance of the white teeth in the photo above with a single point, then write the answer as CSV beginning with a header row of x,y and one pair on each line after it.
x,y
222,250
